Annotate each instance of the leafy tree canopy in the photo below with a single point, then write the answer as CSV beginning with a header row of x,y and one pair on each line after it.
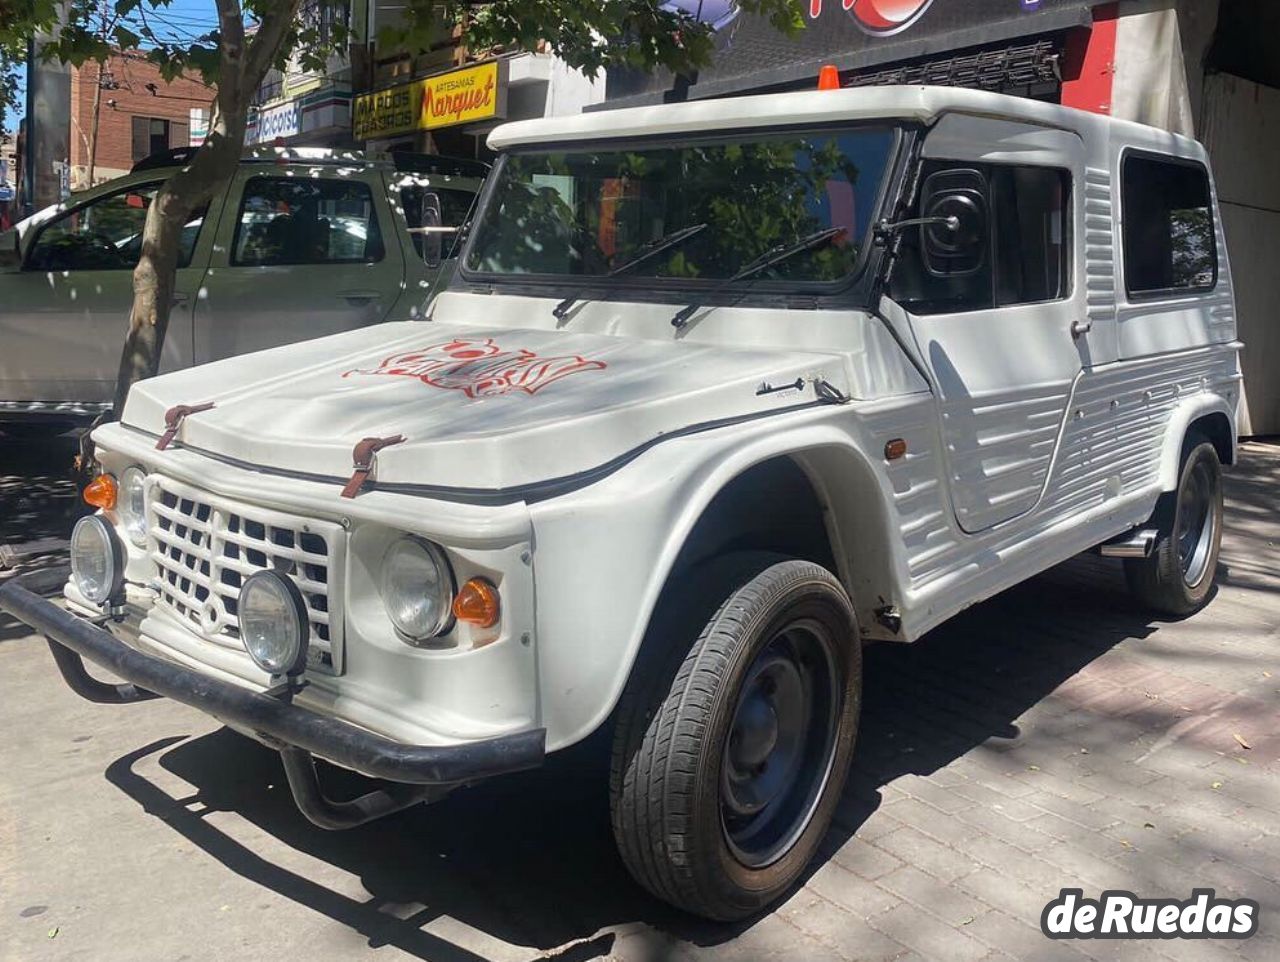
x,y
588,34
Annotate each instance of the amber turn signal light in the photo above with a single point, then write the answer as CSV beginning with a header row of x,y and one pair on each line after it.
x,y
477,604
895,449
101,492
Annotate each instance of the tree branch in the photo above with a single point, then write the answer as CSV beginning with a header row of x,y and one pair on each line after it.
x,y
266,40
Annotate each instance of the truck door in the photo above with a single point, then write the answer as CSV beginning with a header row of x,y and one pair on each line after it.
x,y
999,308
301,253
65,314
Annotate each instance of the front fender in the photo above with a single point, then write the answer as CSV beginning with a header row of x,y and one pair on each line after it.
x,y
604,554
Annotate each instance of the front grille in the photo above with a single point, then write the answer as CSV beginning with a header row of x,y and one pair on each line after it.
x,y
205,546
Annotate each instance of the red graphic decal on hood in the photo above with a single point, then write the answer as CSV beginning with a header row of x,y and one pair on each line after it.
x,y
481,368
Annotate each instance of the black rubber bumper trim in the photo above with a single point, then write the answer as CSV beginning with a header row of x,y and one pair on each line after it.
x,y
289,724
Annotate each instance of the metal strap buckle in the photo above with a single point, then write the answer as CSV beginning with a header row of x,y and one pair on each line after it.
x,y
362,462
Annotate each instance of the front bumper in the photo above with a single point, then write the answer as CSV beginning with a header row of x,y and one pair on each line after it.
x,y
297,731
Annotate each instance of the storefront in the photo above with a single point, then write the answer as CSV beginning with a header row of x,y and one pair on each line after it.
x,y
1018,45
320,117
1203,68
433,114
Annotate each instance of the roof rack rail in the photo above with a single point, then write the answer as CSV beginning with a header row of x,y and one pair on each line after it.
x,y
405,161
174,157
410,162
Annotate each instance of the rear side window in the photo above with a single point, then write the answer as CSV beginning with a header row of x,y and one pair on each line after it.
x,y
312,221
1169,240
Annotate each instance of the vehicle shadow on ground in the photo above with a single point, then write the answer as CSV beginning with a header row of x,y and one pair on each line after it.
x,y
529,859
38,507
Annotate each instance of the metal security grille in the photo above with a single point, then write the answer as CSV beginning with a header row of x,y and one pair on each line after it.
x,y
205,546
1026,66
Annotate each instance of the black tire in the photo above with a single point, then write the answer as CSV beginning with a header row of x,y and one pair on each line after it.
x,y
1179,576
677,786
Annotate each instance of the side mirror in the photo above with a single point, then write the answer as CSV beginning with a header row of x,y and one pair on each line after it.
x,y
953,237
10,249
433,237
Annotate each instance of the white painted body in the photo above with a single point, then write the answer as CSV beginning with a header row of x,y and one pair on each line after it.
x,y
1025,445
62,330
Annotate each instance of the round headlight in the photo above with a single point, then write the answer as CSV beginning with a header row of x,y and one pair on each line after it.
x,y
131,505
273,623
417,588
97,560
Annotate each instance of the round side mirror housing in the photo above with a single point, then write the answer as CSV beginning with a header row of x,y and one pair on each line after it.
x,y
955,240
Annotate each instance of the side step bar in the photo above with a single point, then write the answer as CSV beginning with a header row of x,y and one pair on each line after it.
x,y
1131,544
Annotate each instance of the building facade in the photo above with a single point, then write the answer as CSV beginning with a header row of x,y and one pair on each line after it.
x,y
1205,68
138,114
445,99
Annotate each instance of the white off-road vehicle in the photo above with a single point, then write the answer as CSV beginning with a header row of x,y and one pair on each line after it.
x,y
720,392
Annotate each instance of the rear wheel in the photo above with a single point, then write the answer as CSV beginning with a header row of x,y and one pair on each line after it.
x,y
1179,576
728,762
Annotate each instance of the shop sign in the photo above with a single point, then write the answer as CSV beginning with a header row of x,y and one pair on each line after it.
x,y
445,100
852,34
283,120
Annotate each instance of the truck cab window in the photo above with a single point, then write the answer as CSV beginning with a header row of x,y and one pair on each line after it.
x,y
291,221
1028,258
455,205
1169,239
104,234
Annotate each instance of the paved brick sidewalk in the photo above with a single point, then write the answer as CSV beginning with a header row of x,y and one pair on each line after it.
x,y
1053,737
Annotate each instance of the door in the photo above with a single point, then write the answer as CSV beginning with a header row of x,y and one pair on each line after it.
x,y
65,313
300,254
1002,329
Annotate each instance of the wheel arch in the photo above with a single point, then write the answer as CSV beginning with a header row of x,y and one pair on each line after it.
x,y
678,510
1211,417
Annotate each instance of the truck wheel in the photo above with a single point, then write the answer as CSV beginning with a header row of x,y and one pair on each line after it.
x,y
728,764
1179,576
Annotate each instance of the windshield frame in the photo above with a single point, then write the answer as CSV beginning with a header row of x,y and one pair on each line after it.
x,y
680,289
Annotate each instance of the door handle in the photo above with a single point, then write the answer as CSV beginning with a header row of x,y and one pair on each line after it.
x,y
177,300
1080,328
360,295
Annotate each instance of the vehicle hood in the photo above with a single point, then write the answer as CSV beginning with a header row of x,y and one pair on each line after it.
x,y
493,409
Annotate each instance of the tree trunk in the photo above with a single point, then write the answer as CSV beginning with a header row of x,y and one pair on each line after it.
x,y
242,64
153,279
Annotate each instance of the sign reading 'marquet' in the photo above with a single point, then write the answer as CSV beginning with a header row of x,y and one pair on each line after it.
x,y
457,97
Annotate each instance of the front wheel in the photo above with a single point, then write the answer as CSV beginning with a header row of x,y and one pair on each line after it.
x,y
1179,576
728,764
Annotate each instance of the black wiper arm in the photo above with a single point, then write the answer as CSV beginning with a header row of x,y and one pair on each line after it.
x,y
771,257
652,249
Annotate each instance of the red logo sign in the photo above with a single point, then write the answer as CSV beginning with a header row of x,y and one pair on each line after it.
x,y
481,368
880,18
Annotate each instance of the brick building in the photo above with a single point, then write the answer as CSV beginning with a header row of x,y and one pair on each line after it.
x,y
139,114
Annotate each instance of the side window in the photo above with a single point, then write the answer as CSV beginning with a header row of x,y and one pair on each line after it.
x,y
1028,255
311,221
104,234
1169,240
455,205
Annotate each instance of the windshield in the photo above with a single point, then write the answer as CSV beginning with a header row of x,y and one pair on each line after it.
x,y
584,213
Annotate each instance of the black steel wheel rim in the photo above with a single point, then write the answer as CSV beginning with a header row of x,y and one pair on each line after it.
x,y
1197,524
778,754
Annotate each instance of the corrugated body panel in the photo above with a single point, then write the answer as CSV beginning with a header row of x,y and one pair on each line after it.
x,y
1111,445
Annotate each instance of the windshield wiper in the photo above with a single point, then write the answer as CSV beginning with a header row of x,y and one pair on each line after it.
x,y
652,249
773,256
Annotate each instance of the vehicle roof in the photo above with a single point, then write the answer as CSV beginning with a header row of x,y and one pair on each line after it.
x,y
921,104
